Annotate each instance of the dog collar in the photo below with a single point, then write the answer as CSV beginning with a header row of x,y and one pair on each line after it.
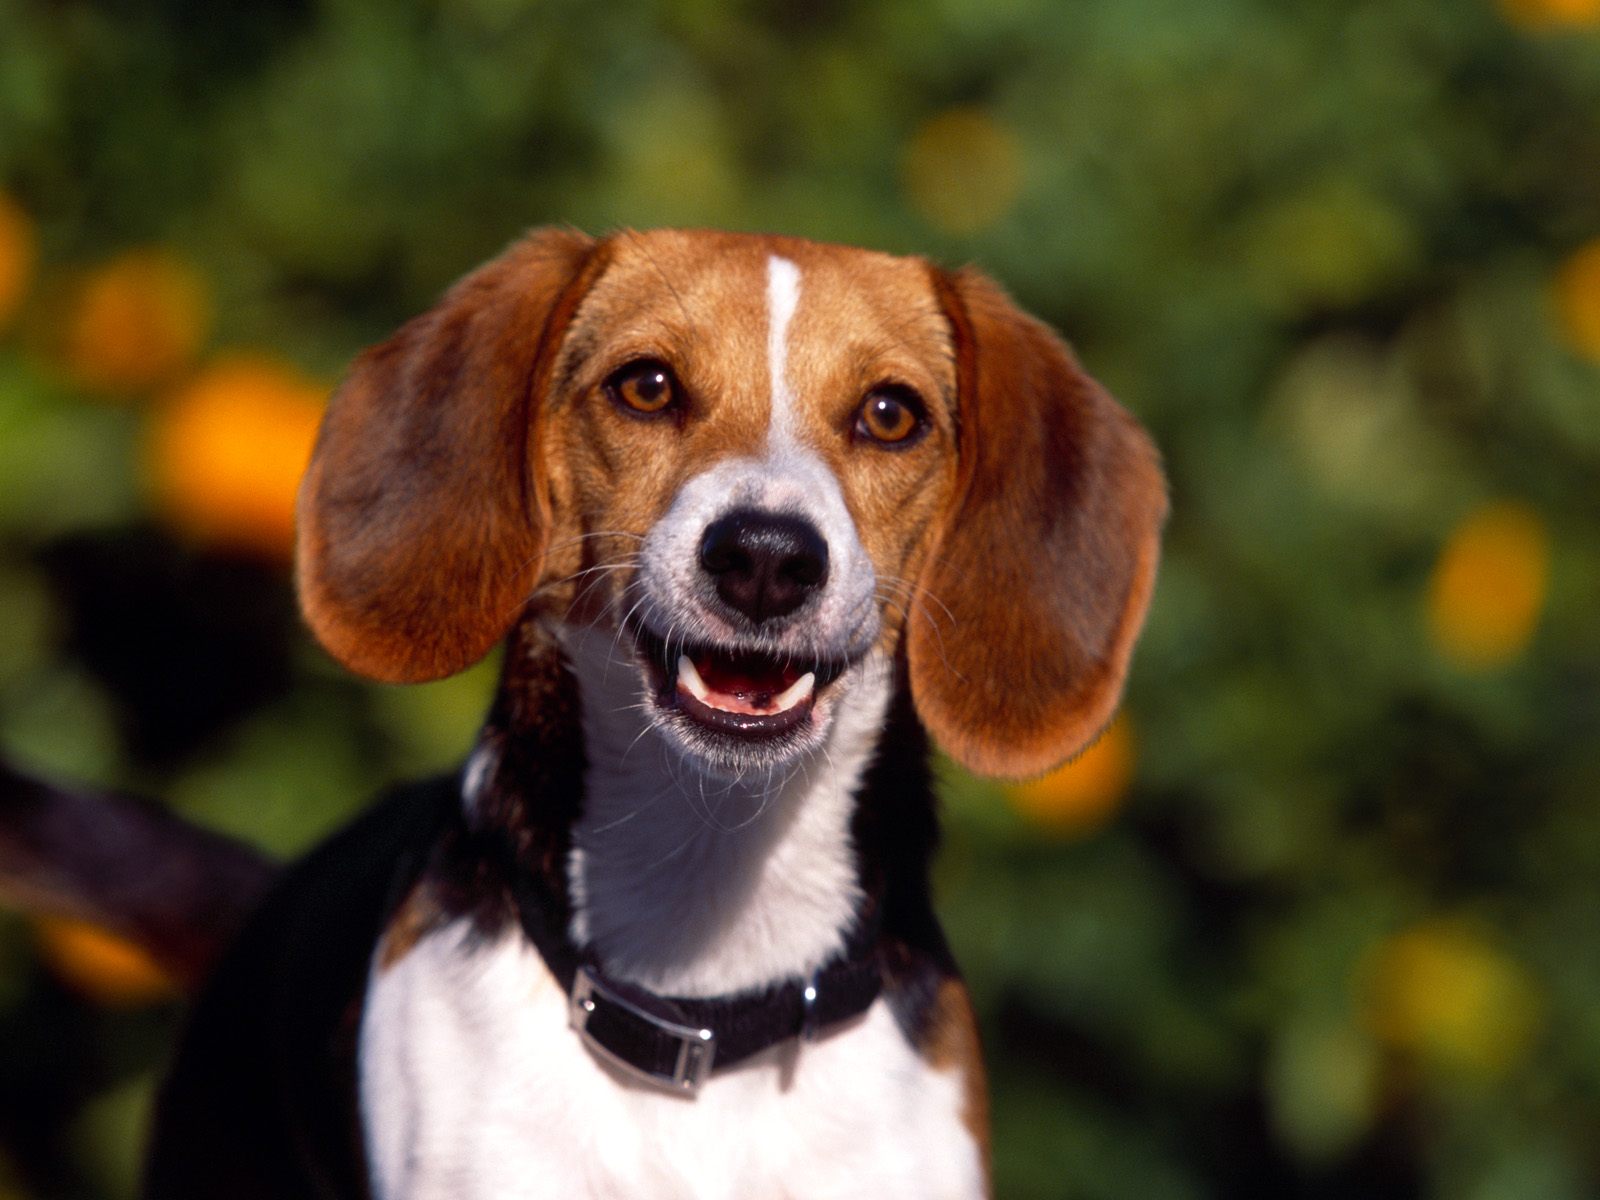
x,y
677,1042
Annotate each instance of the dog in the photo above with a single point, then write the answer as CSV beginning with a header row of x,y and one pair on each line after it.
x,y
755,517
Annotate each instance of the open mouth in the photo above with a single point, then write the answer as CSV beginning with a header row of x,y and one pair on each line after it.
x,y
741,693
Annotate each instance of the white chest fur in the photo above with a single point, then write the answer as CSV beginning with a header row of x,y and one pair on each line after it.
x,y
474,1088
696,886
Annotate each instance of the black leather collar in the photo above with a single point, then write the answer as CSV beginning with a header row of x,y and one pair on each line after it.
x,y
677,1042
534,738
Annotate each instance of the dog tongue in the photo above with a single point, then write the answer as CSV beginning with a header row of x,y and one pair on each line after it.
x,y
747,684
750,678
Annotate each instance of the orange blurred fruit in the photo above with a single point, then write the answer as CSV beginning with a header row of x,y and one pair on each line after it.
x,y
1576,292
962,170
1082,795
99,965
225,456
1488,586
136,321
1444,991
1551,14
18,249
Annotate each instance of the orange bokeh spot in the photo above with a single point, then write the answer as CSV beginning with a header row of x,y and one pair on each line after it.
x,y
962,170
225,456
1576,292
1081,796
136,321
101,966
1444,992
1488,587
1551,14
18,248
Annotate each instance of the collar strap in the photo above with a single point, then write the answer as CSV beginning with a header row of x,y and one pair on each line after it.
x,y
677,1042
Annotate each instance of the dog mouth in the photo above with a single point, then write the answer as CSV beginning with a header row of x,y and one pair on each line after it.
x,y
750,695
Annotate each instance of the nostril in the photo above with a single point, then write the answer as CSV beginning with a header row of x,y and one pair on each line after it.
x,y
765,565
807,568
720,553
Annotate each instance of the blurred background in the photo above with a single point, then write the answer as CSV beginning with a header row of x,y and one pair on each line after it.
x,y
1319,916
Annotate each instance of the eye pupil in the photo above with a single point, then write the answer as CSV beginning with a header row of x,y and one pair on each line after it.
x,y
645,387
888,418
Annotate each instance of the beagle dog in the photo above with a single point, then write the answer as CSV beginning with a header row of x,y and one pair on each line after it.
x,y
755,517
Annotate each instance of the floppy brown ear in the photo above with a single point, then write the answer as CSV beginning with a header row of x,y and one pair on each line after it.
x,y
1037,583
422,518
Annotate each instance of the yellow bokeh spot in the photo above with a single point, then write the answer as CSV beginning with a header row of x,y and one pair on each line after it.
x,y
1081,796
226,454
962,170
1576,292
136,321
1551,14
99,965
1442,991
1488,587
18,247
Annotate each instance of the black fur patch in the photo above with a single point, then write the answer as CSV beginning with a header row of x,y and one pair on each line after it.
x,y
262,1102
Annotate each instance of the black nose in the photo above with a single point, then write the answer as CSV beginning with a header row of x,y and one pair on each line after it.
x,y
765,565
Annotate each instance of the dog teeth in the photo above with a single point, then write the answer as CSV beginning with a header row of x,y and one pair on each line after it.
x,y
689,679
795,692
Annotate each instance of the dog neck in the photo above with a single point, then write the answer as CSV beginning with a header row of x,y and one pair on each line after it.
x,y
691,884
683,882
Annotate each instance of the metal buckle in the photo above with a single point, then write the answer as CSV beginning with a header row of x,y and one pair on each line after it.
x,y
696,1049
808,1007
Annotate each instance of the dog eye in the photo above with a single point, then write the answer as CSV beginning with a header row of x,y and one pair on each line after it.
x,y
644,386
891,415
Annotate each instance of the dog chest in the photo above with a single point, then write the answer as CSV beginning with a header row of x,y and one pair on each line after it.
x,y
473,1086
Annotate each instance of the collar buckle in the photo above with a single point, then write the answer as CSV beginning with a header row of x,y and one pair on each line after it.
x,y
621,1032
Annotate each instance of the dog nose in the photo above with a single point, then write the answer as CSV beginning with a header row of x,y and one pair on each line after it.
x,y
765,565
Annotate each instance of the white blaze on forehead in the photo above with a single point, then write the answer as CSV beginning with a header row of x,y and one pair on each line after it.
x,y
783,295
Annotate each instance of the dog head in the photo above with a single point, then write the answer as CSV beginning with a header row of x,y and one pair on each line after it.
x,y
754,462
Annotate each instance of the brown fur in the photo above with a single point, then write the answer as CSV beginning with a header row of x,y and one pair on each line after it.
x,y
473,477
950,1042
473,460
698,301
421,532
1045,564
419,914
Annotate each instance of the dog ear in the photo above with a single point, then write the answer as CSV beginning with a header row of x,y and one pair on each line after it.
x,y
1038,579
423,518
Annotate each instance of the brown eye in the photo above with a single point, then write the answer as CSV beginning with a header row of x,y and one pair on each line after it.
x,y
645,386
891,415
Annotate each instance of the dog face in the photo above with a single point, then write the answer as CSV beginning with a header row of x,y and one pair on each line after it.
x,y
753,439
753,461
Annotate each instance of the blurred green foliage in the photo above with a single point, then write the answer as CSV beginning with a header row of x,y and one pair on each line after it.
x,y
1329,925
